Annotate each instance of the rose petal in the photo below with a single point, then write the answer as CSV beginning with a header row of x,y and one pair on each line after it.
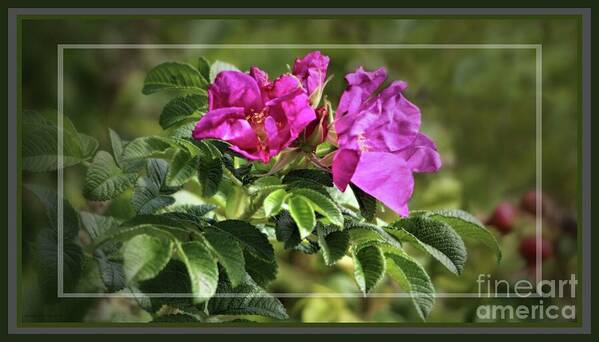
x,y
294,108
422,155
234,89
260,76
284,85
344,165
230,125
369,82
386,177
361,85
311,70
403,117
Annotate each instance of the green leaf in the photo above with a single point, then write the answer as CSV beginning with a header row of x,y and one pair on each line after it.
x,y
210,173
193,213
229,254
334,243
112,272
45,246
366,202
369,267
40,143
143,148
302,213
104,180
414,280
126,232
182,108
251,300
144,256
311,175
147,197
262,271
146,203
174,278
45,254
202,269
286,230
467,226
322,204
219,66
89,145
117,146
249,237
434,237
97,225
174,76
274,201
204,67
49,198
183,129
183,167
356,230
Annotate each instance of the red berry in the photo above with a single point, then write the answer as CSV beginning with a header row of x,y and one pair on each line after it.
x,y
528,249
529,202
503,217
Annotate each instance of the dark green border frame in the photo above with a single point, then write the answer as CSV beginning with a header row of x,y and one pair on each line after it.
x,y
175,3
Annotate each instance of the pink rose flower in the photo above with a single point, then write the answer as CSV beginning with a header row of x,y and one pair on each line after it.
x,y
380,145
259,118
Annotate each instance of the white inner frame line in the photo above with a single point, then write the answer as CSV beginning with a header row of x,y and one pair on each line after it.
x,y
538,160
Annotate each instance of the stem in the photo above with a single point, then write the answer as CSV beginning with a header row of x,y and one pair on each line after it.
x,y
234,179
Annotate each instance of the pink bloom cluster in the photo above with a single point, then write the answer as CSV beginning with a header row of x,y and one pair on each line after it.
x,y
378,138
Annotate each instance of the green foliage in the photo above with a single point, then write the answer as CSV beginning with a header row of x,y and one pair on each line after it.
x,y
334,243
253,300
303,214
144,256
182,168
210,169
274,202
229,254
148,196
40,143
174,76
434,237
105,180
467,226
369,267
137,151
46,243
183,108
117,146
250,238
202,269
413,279
366,202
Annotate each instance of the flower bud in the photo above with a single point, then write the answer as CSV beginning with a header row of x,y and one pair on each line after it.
x,y
316,132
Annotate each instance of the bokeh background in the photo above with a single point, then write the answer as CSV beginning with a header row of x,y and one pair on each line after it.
x,y
478,105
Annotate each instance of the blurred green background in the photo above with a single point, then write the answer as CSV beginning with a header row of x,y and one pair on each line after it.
x,y
477,104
